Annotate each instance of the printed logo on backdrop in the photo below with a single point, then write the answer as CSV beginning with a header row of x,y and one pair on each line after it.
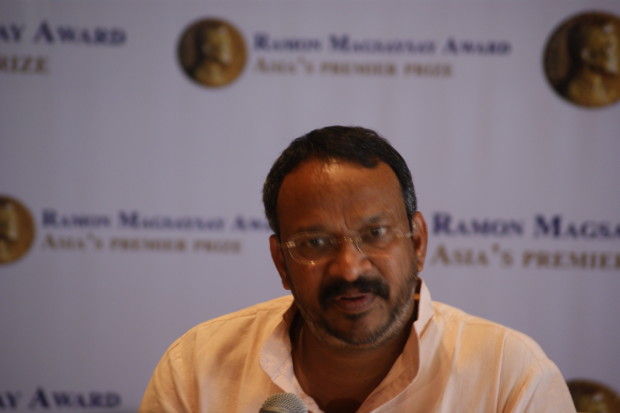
x,y
16,230
593,396
582,59
26,61
546,241
138,231
212,52
42,399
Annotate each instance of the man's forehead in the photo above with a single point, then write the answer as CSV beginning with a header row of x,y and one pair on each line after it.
x,y
318,189
316,177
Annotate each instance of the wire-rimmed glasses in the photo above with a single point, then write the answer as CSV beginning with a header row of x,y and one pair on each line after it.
x,y
315,247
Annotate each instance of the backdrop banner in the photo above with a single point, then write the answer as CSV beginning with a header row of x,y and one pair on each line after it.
x,y
135,138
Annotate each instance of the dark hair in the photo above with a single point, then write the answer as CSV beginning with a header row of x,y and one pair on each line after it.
x,y
355,144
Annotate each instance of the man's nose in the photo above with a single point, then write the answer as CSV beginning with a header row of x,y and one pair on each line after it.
x,y
349,261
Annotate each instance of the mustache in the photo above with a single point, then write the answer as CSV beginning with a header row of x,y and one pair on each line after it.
x,y
363,284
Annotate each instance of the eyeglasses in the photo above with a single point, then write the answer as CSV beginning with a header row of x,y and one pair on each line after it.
x,y
314,247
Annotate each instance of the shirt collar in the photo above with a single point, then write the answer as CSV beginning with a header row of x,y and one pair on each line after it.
x,y
276,360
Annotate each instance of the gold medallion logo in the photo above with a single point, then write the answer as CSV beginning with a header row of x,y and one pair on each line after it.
x,y
582,59
592,396
212,52
16,230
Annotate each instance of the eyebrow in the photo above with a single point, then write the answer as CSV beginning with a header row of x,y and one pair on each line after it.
x,y
311,229
374,219
378,218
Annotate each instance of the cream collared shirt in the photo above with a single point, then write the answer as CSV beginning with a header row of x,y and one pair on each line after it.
x,y
452,363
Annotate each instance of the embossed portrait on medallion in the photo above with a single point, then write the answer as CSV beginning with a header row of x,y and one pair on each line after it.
x,y
582,59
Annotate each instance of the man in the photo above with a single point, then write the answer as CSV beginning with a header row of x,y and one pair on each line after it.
x,y
360,333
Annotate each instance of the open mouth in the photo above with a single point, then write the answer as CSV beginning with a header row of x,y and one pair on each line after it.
x,y
354,302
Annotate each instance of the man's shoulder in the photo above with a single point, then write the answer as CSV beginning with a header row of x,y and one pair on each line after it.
x,y
275,306
259,317
272,309
505,364
484,330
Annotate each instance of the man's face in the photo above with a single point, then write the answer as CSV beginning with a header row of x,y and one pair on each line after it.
x,y
352,300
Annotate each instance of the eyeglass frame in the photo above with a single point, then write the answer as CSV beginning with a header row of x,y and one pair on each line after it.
x,y
337,241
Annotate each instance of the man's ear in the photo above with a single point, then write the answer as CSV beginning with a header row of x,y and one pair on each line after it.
x,y
420,238
278,260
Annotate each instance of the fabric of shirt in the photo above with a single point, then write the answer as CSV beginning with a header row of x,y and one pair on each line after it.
x,y
452,362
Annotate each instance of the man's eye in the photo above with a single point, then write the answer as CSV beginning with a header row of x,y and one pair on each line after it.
x,y
316,242
375,233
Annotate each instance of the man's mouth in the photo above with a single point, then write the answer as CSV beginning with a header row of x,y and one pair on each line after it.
x,y
353,302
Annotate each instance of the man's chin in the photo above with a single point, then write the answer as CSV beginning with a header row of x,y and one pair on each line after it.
x,y
360,338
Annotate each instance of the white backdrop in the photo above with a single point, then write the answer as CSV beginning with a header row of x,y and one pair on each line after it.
x,y
144,186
